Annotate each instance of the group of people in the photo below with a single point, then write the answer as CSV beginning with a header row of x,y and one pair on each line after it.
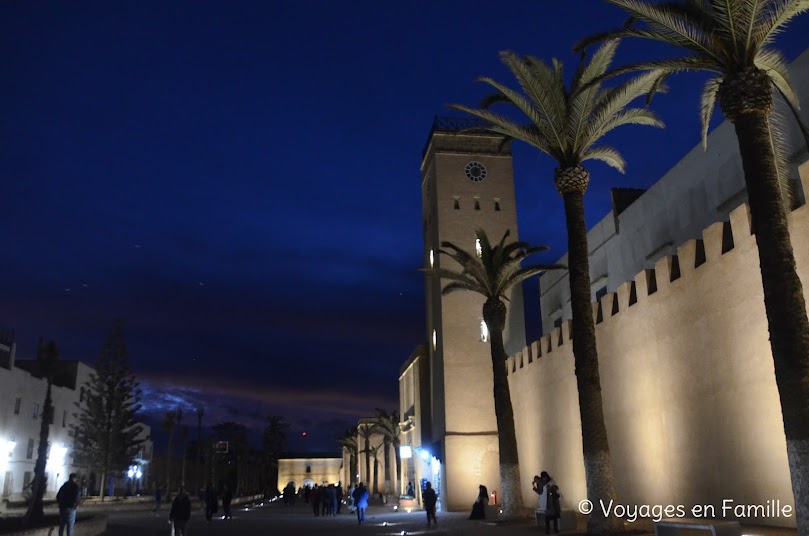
x,y
549,500
326,500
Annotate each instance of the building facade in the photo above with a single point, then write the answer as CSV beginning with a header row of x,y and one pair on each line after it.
x,y
22,393
690,400
467,184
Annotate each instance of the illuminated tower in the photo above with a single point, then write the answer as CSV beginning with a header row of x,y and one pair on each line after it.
x,y
467,184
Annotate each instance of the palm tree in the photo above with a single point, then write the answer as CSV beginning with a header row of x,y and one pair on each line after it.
x,y
366,432
374,452
732,40
184,431
387,424
349,442
200,413
47,355
568,125
493,272
169,425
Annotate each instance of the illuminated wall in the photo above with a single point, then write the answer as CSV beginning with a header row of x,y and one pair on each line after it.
x,y
690,400
303,470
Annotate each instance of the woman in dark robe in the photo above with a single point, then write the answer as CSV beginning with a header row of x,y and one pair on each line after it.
x,y
479,507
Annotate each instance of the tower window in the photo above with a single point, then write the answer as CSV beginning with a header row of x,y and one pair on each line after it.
x,y
496,205
435,340
477,204
17,404
35,410
484,331
456,203
432,258
478,248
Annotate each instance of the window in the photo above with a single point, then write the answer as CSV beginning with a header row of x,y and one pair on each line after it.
x,y
432,258
496,205
435,340
457,203
30,452
51,414
484,331
17,404
308,468
35,410
64,418
477,204
478,248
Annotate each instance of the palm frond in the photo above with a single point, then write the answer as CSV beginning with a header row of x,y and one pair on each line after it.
x,y
582,102
774,19
707,105
530,134
773,63
608,155
669,25
778,144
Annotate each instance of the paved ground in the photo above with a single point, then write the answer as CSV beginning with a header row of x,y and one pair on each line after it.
x,y
277,519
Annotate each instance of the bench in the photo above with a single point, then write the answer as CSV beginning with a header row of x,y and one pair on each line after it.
x,y
567,521
672,527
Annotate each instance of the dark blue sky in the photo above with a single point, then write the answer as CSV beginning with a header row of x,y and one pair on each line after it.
x,y
239,181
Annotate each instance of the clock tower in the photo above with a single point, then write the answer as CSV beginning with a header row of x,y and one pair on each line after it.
x,y
467,184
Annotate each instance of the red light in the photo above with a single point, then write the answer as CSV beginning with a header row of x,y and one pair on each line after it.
x,y
304,434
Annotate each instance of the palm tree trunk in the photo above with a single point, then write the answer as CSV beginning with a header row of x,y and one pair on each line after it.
x,y
784,300
168,462
376,476
353,465
367,459
510,486
398,469
386,446
35,508
597,462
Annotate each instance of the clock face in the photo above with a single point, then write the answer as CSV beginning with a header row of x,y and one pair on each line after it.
x,y
475,171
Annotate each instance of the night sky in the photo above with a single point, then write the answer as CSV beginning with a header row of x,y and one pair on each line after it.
x,y
239,182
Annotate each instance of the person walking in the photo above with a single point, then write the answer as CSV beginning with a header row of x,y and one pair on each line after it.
x,y
411,491
68,500
429,498
180,512
211,503
227,498
315,498
361,502
158,498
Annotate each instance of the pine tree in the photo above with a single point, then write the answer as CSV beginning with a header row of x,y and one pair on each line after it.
x,y
106,436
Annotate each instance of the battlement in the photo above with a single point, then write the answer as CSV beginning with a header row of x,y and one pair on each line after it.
x,y
717,256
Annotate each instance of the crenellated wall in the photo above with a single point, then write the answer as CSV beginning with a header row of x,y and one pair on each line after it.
x,y
690,399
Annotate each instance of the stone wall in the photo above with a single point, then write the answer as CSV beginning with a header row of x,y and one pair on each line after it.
x,y
690,399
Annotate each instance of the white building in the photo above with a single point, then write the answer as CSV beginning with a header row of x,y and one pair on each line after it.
x,y
22,393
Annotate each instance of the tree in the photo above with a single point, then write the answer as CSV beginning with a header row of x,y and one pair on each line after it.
x,y
184,431
387,424
732,40
366,432
275,442
568,125
171,422
369,453
106,435
47,355
198,481
236,436
349,442
492,272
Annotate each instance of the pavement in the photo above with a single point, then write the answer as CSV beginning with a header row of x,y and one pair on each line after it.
x,y
278,519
